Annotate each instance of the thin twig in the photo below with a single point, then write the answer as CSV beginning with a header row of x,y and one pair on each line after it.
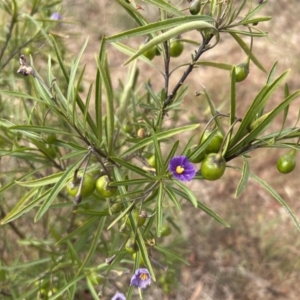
x,y
189,69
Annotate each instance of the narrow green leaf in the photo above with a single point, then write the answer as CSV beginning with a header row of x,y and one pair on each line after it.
x,y
133,12
190,196
232,96
272,73
38,25
214,112
55,190
98,95
159,212
92,289
221,66
158,155
257,105
21,208
256,20
203,207
286,110
94,244
130,182
71,83
213,5
172,197
67,286
59,58
170,254
132,167
40,129
144,253
121,215
160,136
157,26
237,12
127,92
253,134
51,179
244,178
86,110
109,106
247,51
130,51
171,153
189,26
211,213
255,11
277,197
78,230
166,6
201,147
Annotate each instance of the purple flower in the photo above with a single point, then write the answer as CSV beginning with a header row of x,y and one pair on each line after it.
x,y
181,168
141,278
118,296
56,16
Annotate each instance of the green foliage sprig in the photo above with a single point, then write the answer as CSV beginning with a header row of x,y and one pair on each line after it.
x,y
130,203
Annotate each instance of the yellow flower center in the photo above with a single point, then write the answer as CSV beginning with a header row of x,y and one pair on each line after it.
x,y
144,276
179,169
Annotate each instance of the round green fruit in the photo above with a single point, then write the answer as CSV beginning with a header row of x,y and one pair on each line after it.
x,y
27,50
215,143
166,230
151,161
88,186
131,246
195,7
127,128
139,218
213,166
241,72
198,158
116,207
286,163
150,53
176,48
103,188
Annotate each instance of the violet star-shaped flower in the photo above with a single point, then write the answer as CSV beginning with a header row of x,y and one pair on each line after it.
x,y
56,16
118,296
181,168
141,278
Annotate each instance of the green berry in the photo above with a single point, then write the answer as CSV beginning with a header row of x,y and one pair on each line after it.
x,y
116,208
150,53
198,158
195,7
166,230
131,246
151,161
88,186
103,188
176,48
286,163
139,218
215,143
241,72
213,166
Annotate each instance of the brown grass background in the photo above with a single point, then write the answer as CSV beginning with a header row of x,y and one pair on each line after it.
x,y
258,257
